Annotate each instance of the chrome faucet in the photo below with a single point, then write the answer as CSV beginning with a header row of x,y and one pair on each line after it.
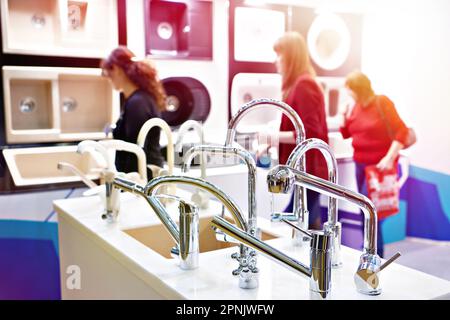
x,y
333,225
112,201
251,166
300,213
319,269
200,198
248,278
186,236
281,179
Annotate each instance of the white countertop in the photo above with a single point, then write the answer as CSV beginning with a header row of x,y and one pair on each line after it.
x,y
213,279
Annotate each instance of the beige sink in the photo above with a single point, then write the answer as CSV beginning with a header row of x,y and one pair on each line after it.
x,y
69,28
158,239
48,104
35,166
85,103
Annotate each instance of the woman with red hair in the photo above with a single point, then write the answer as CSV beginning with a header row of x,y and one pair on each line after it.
x,y
144,99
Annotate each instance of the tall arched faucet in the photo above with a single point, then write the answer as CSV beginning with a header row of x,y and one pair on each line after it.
x,y
332,224
142,136
191,124
251,166
200,198
300,213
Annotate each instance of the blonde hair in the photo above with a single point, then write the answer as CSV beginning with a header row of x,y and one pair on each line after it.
x,y
360,84
295,59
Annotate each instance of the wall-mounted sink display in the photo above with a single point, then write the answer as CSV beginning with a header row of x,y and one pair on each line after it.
x,y
35,166
178,29
44,104
157,238
187,99
81,28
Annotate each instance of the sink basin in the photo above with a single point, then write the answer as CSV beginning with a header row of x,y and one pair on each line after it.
x,y
48,104
85,103
71,28
34,166
158,239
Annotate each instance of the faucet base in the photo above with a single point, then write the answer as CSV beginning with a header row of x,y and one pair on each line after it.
x,y
248,279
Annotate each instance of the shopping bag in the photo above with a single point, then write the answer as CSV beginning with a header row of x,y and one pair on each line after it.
x,y
384,190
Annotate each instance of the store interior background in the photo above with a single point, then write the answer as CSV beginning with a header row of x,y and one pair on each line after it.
x,y
404,48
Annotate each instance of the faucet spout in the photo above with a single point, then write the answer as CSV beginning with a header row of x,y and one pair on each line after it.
x,y
191,124
300,202
186,236
245,259
281,178
332,223
251,166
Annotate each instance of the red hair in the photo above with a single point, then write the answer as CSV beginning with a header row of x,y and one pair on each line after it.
x,y
142,73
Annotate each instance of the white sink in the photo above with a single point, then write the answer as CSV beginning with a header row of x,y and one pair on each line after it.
x,y
35,166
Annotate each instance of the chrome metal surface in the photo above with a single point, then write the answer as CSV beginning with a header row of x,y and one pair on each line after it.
x,y
300,203
186,236
332,223
319,271
251,166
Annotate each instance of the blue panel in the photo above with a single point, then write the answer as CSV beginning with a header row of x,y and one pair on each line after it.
x,y
29,263
426,216
29,269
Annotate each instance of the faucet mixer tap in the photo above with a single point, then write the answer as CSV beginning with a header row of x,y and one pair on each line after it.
x,y
332,224
251,166
186,236
200,197
319,269
112,201
248,277
300,212
281,179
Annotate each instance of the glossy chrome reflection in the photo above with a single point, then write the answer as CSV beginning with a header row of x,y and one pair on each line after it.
x,y
245,264
186,236
251,166
319,270
332,224
300,212
282,177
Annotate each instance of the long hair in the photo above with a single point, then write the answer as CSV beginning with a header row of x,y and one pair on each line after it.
x,y
141,72
360,84
295,59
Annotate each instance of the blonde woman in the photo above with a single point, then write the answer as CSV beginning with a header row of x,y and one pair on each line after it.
x,y
301,91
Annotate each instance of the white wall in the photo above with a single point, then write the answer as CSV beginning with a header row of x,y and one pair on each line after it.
x,y
213,74
406,53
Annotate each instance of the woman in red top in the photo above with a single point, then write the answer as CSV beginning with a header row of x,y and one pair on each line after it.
x,y
303,94
378,132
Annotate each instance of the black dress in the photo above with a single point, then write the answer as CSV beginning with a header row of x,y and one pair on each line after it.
x,y
138,108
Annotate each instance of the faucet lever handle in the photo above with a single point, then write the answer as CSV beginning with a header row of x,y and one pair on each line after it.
x,y
308,234
390,260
